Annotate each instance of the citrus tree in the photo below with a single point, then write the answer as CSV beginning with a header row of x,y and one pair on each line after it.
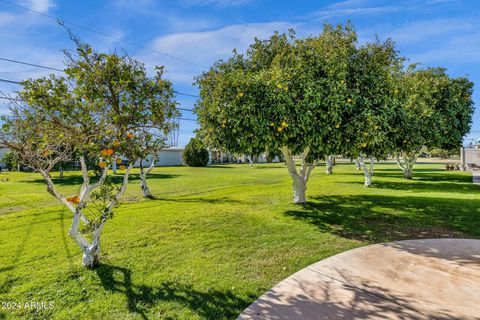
x,y
284,93
436,113
371,121
96,111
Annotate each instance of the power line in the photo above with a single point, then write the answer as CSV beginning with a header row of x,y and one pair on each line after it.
x,y
60,20
31,64
15,99
11,99
56,69
10,81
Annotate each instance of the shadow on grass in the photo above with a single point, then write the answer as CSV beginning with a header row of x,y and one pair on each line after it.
x,y
217,200
342,299
423,186
217,166
117,179
212,304
376,218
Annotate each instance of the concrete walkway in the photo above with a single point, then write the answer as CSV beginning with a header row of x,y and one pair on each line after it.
x,y
414,279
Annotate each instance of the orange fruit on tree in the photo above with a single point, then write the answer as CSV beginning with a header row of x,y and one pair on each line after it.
x,y
104,152
130,135
45,153
76,199
109,151
118,161
102,165
116,143
122,167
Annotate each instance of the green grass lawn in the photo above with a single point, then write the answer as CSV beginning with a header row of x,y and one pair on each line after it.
x,y
215,239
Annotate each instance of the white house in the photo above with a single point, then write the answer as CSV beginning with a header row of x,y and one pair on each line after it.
x,y
167,157
3,151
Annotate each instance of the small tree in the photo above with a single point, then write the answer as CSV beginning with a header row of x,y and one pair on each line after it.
x,y
96,112
195,154
151,145
283,93
436,113
374,74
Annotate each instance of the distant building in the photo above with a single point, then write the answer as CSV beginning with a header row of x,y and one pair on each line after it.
x,y
3,151
167,157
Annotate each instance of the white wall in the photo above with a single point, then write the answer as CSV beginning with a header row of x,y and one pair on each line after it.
x,y
3,151
167,157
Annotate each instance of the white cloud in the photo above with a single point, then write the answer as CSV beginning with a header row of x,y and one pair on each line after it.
x,y
430,30
351,8
39,5
221,3
204,48
6,18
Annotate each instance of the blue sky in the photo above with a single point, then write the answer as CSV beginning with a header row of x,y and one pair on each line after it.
x,y
433,32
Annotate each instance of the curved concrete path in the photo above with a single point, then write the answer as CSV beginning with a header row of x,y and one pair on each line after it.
x,y
413,279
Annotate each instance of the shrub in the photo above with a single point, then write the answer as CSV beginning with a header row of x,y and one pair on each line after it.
x,y
195,154
452,166
11,161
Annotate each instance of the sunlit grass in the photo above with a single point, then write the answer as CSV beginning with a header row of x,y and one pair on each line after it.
x,y
215,239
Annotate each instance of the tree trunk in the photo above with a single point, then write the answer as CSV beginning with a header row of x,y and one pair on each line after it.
x,y
299,190
299,179
91,250
409,160
358,166
372,160
143,179
407,172
329,164
249,158
91,257
366,171
61,173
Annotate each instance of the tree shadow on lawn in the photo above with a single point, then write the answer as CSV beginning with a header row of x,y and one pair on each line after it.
x,y
117,179
424,175
378,218
217,200
422,186
212,304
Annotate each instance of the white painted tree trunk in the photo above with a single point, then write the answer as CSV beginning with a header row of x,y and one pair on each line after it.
x,y
91,250
406,161
358,166
372,160
299,179
249,158
143,178
299,188
329,164
367,172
